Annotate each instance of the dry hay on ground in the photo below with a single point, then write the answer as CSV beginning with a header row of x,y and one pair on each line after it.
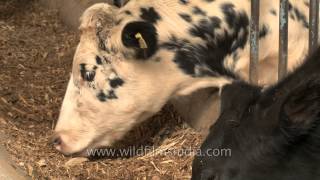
x,y
35,61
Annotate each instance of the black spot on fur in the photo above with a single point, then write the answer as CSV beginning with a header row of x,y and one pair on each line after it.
x,y
208,1
102,96
263,31
101,42
206,28
184,1
273,12
174,43
106,59
98,60
150,15
229,13
290,6
181,56
127,12
115,83
186,17
296,14
200,60
207,60
197,11
291,15
148,32
239,22
301,17
241,39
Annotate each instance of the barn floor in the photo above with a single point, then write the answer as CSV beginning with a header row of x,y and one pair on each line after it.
x,y
36,52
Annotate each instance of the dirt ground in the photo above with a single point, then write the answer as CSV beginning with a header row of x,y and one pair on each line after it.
x,y
36,52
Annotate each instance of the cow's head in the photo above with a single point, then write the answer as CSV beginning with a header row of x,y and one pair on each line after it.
x,y
259,129
124,72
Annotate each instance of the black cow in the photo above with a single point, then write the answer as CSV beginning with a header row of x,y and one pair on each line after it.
x,y
273,133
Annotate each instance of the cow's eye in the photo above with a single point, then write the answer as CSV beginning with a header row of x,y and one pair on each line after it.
x,y
87,72
89,75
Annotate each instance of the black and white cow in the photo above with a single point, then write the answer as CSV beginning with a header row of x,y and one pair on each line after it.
x,y
272,133
131,61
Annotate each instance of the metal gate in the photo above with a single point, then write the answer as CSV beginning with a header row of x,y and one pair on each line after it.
x,y
283,36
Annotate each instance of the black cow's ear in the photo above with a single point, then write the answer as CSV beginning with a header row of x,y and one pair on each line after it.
x,y
301,109
142,37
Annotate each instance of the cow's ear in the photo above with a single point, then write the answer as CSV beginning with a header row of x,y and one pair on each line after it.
x,y
195,84
301,108
142,37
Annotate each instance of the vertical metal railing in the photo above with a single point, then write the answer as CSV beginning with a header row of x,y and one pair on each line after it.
x,y
254,41
313,24
283,36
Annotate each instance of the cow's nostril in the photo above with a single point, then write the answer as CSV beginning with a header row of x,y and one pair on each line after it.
x,y
56,141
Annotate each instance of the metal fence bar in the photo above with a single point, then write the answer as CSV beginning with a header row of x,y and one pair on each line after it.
x,y
254,41
283,39
313,24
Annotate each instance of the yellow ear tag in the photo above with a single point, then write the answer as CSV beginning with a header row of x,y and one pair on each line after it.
x,y
142,42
